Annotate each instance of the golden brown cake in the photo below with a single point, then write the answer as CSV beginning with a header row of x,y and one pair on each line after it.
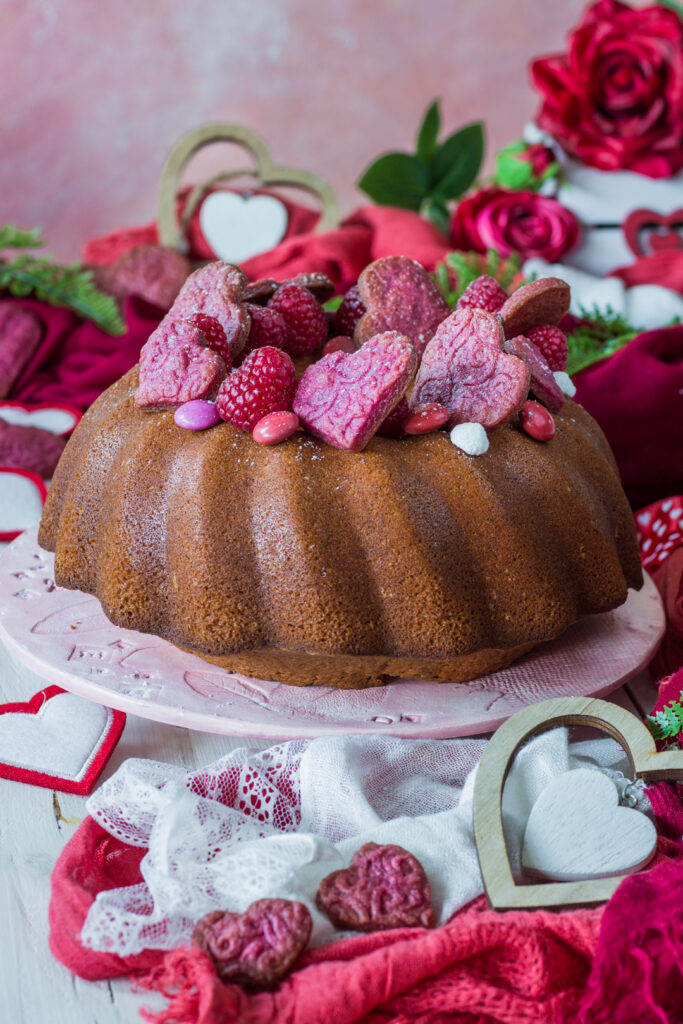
x,y
312,565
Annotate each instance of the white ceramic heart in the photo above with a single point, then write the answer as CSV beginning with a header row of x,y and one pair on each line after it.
x,y
577,830
238,227
55,419
22,496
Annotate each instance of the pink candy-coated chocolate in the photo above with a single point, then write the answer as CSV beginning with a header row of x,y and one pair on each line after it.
x,y
384,887
255,949
275,427
537,422
399,295
197,415
543,383
339,344
343,398
464,369
216,290
176,366
426,418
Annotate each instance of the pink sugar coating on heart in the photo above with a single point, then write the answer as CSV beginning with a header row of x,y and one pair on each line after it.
x,y
465,369
21,332
216,290
258,947
399,295
383,887
344,397
543,383
176,366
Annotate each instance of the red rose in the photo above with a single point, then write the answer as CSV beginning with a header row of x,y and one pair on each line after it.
x,y
615,100
523,222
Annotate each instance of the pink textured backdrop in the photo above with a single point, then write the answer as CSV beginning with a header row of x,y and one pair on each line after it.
x,y
93,93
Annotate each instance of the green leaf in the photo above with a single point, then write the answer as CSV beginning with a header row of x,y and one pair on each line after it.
x,y
333,304
666,723
428,133
17,238
601,335
438,213
465,267
673,6
396,179
457,162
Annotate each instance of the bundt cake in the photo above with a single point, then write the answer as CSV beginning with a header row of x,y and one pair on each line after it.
x,y
314,565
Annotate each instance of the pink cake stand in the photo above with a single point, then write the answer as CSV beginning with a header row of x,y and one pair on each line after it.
x,y
64,636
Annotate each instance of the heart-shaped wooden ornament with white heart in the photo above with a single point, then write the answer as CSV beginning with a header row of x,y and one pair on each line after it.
x,y
557,854
238,227
57,740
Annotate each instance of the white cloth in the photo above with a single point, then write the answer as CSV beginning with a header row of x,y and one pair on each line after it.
x,y
301,810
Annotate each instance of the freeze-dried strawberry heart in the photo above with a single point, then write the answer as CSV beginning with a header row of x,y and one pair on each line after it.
x,y
344,397
399,295
543,383
176,366
216,290
384,887
464,369
257,948
544,301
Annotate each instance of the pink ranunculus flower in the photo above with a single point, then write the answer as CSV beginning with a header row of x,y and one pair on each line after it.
x,y
523,222
615,99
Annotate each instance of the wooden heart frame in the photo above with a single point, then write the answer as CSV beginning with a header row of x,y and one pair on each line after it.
x,y
501,889
172,228
639,219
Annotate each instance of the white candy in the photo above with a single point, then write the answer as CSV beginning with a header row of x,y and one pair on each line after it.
x,y
470,438
565,383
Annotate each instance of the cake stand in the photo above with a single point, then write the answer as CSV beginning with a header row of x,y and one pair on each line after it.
x,y
64,636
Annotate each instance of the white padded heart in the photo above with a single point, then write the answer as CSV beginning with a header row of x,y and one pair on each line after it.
x,y
21,503
577,830
238,227
61,739
57,421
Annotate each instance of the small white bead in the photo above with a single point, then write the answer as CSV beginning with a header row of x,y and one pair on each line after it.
x,y
565,383
470,438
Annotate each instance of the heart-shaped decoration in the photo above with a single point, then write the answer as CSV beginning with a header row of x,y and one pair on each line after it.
x,y
543,301
344,397
659,231
383,887
577,830
502,891
238,227
399,295
57,740
465,369
57,419
175,366
22,496
257,948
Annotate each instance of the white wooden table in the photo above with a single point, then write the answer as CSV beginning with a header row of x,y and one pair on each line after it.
x,y
34,826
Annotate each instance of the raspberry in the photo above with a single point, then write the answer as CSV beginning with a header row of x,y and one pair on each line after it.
x,y
349,313
484,293
264,383
553,345
214,334
304,316
267,328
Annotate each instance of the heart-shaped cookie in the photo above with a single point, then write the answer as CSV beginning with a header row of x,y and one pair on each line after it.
x,y
216,290
238,227
502,890
544,301
465,369
399,295
344,397
383,887
57,740
577,830
176,366
659,231
257,948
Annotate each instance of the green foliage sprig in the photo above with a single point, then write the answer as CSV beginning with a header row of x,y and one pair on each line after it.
x,y
459,269
436,173
667,723
600,335
69,286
